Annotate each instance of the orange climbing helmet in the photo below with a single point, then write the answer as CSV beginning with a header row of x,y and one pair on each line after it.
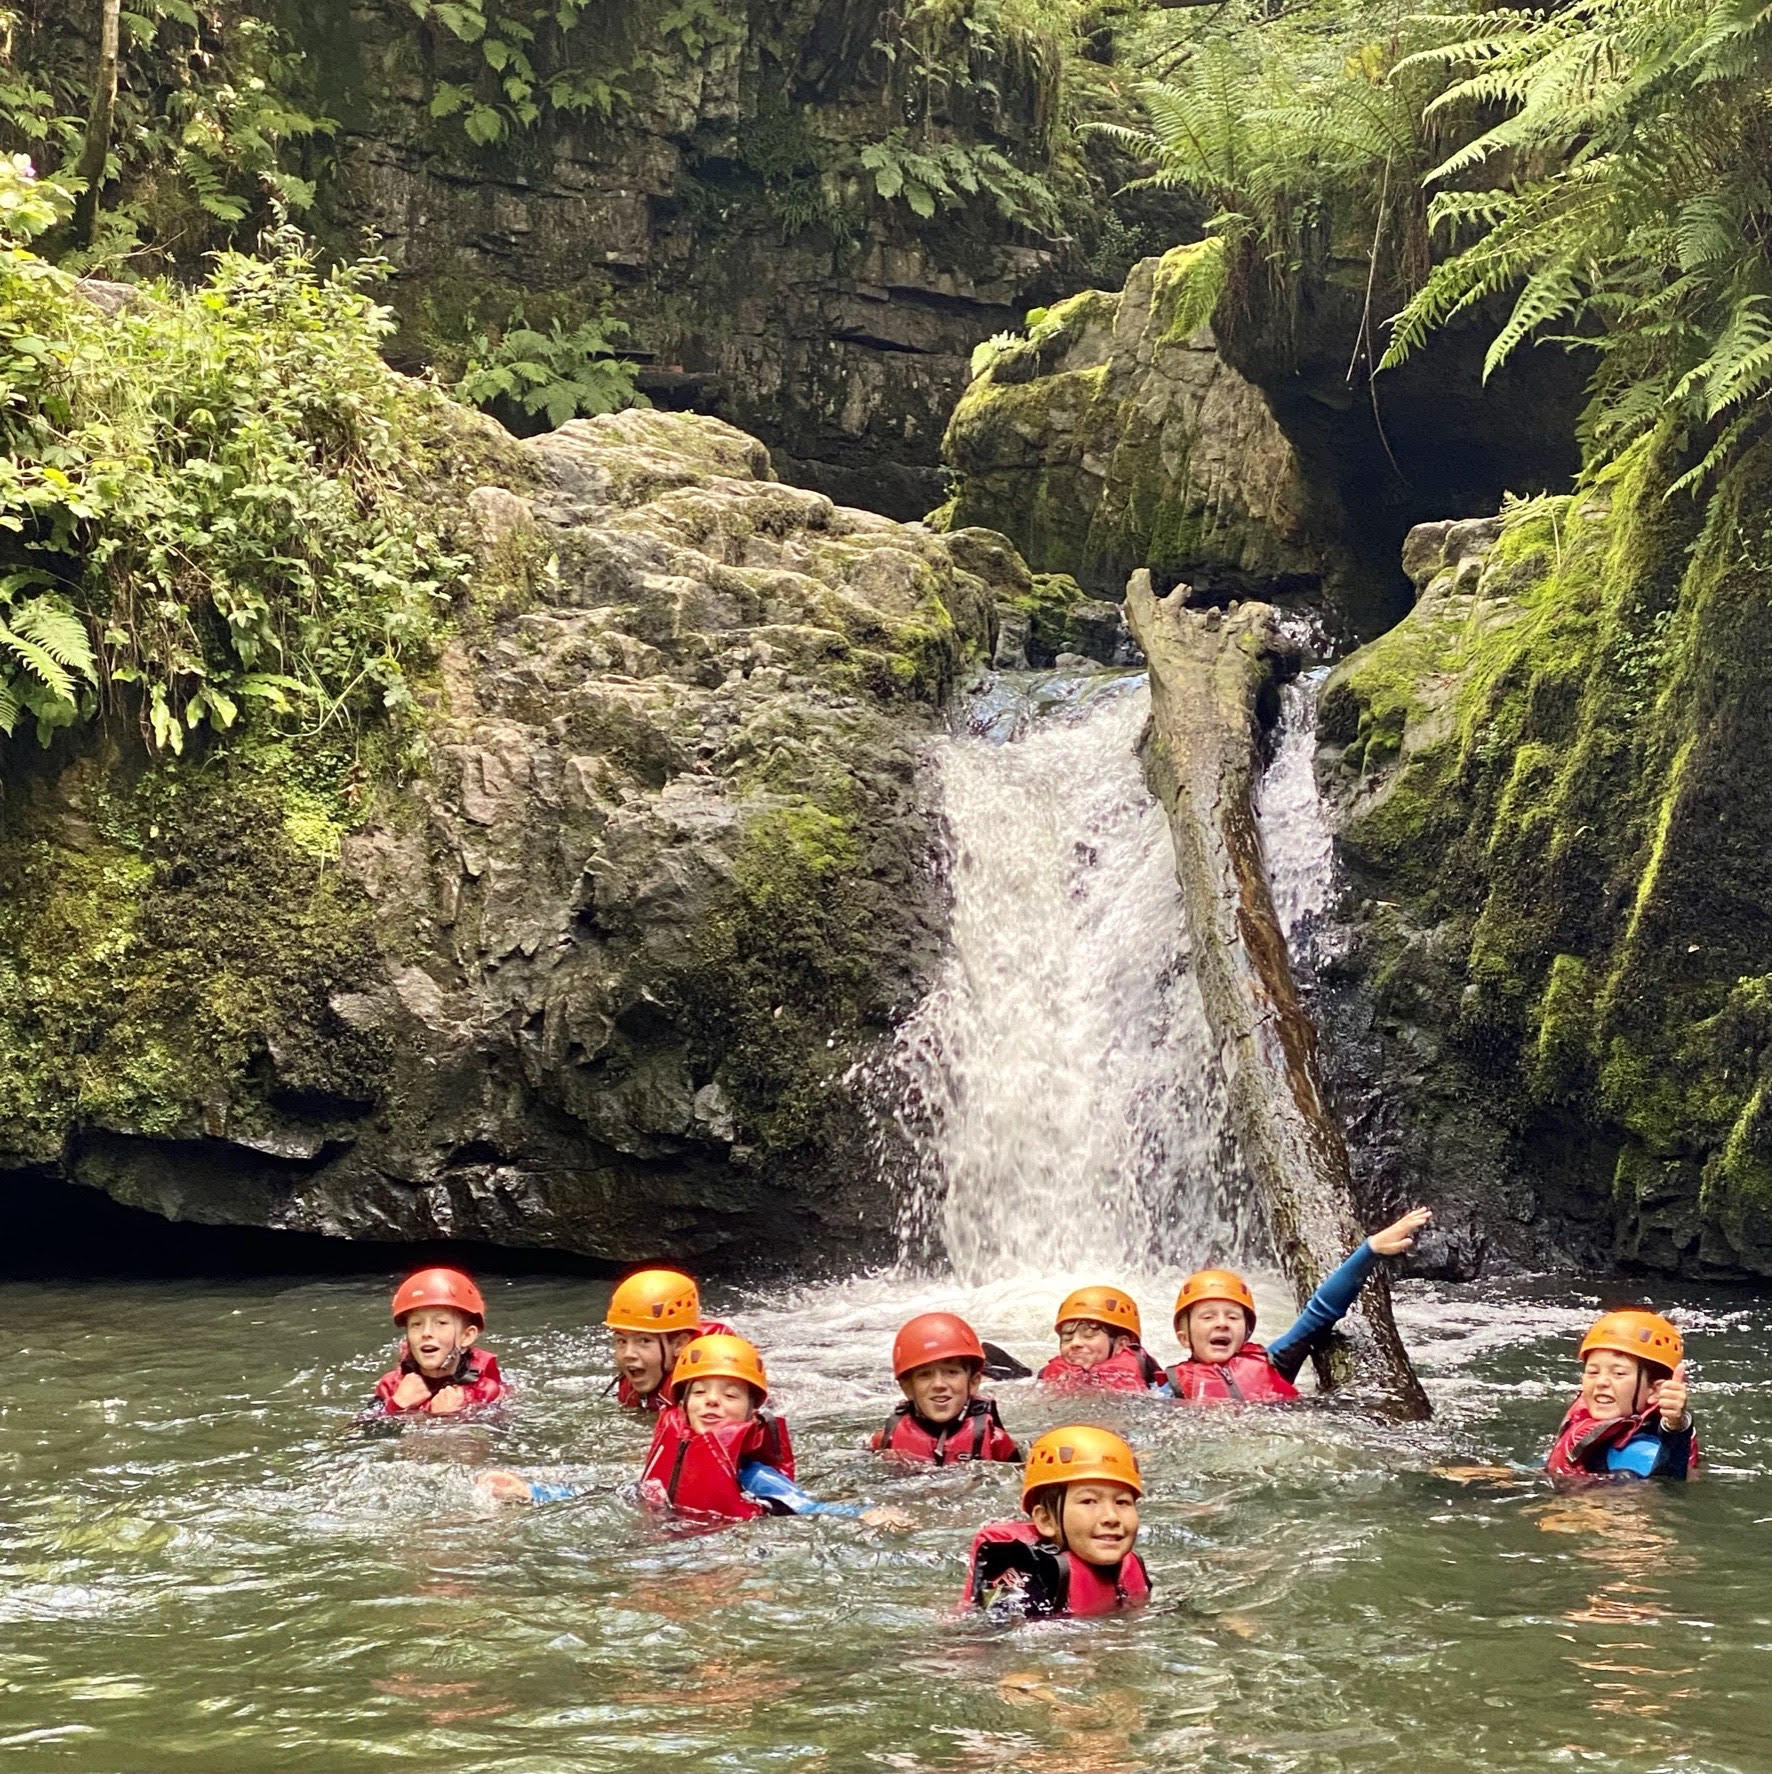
x,y
655,1302
935,1336
719,1357
1214,1284
1646,1335
1111,1306
439,1287
1077,1452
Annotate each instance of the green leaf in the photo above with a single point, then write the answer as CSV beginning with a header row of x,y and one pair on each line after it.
x,y
484,125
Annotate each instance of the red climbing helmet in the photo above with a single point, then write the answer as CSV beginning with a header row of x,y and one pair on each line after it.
x,y
935,1336
439,1287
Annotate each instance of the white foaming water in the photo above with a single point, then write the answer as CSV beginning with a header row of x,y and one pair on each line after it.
x,y
1059,1083
1296,837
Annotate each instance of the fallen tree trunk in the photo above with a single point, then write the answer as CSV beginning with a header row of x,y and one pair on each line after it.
x,y
1208,671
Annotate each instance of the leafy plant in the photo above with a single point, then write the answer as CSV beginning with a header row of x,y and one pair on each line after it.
x,y
206,500
1640,223
556,374
1289,140
533,57
947,175
206,119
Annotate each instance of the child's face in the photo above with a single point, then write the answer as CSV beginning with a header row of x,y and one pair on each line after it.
x,y
643,1360
939,1390
1098,1521
1085,1342
1611,1383
436,1336
1216,1330
709,1403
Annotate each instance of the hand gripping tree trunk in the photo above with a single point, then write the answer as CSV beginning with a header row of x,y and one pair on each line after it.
x,y
95,150
1208,672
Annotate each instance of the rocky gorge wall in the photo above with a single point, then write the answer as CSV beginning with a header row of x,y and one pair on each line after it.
x,y
588,966
714,200
1554,1015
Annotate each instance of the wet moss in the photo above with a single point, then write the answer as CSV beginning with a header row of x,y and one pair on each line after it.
x,y
169,941
787,968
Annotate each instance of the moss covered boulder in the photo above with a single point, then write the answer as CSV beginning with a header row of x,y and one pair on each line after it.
x,y
1114,436
1557,1011
586,959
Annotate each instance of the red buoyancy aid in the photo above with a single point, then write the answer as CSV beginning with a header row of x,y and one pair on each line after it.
x,y
698,1474
476,1374
1247,1378
1583,1441
1055,1582
655,1401
977,1434
1127,1370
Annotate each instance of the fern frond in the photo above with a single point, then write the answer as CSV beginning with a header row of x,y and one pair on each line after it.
x,y
59,633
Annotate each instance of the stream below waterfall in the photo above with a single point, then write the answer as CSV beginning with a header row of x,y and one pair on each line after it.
x,y
204,1566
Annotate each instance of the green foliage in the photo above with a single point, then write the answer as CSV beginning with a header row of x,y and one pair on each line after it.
x,y
540,57
557,374
216,485
1631,213
1290,139
205,125
947,175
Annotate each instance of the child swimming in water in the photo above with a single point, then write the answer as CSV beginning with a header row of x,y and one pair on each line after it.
x,y
655,1315
441,1315
1631,1417
938,1361
1099,1346
1215,1320
717,1450
1075,1554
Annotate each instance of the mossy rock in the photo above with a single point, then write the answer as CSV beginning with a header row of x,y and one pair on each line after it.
x,y
1553,756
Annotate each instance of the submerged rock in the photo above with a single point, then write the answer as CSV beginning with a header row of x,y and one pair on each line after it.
x,y
1553,1021
592,969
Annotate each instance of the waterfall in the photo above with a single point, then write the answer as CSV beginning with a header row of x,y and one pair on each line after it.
x,y
1297,840
1059,1082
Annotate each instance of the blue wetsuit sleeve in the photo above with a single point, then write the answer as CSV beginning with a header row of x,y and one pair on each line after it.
x,y
768,1485
550,1493
1674,1457
1322,1312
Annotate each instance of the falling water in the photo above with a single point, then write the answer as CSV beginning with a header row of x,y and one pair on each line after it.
x,y
1060,1077
1296,837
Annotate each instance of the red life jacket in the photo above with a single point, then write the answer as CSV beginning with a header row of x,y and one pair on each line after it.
x,y
476,1374
1053,1582
1127,1370
977,1434
1247,1378
655,1401
1584,1440
698,1474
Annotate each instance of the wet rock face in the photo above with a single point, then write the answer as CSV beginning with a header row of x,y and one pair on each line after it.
x,y
843,346
1111,440
595,976
1552,1019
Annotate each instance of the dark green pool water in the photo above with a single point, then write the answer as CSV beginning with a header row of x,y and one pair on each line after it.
x,y
205,1567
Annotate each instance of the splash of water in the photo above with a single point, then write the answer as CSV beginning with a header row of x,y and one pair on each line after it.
x,y
1059,1082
